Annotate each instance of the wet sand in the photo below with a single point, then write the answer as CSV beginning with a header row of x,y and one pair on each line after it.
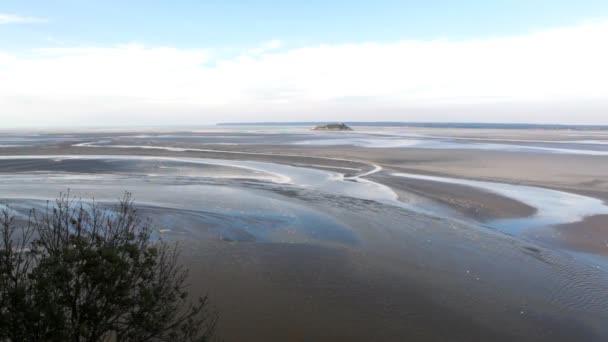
x,y
386,272
473,203
584,174
587,175
326,294
588,236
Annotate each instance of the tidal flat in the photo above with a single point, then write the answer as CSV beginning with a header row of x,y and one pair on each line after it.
x,y
385,234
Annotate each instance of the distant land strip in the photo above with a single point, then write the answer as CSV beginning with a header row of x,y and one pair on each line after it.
x,y
425,124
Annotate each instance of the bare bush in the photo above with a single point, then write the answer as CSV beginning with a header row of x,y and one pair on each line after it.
x,y
76,272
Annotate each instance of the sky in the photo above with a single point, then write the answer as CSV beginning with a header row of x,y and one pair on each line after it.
x,y
121,63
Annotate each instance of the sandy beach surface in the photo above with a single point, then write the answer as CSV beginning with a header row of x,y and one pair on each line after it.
x,y
306,236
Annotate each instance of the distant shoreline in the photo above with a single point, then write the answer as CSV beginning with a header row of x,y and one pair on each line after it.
x,y
427,124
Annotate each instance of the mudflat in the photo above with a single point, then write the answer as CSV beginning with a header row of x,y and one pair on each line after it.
x,y
315,236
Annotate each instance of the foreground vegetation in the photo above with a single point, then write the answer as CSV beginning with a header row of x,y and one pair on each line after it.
x,y
79,273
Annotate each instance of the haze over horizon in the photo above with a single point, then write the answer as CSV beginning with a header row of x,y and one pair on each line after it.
x,y
113,63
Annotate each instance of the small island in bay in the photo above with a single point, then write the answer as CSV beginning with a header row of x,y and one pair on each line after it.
x,y
332,127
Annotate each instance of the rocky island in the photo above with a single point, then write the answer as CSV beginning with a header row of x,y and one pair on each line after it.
x,y
332,127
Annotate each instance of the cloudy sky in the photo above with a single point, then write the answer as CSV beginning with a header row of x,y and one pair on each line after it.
x,y
113,63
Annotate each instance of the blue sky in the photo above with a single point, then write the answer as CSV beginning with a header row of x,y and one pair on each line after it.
x,y
67,61
233,24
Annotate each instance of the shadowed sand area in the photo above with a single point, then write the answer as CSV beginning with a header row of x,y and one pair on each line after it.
x,y
300,242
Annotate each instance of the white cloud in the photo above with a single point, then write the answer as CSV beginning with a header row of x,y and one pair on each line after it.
x,y
558,75
266,47
17,19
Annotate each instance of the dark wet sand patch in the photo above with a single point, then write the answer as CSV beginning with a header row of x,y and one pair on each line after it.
x,y
474,203
275,292
589,235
